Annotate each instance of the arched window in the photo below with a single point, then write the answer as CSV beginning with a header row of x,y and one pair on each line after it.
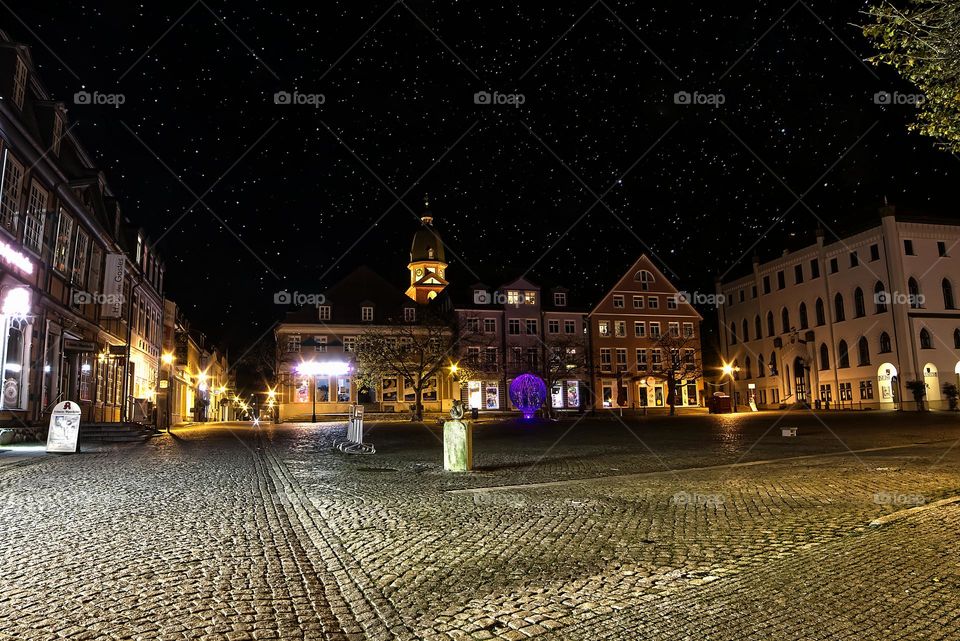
x,y
926,342
947,294
757,327
821,317
956,338
748,373
770,330
773,363
843,355
733,333
736,369
645,279
914,290
885,343
803,316
785,320
746,333
880,298
838,312
863,351
824,356
858,306
761,372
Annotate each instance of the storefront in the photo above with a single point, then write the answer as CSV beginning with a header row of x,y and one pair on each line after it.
x,y
16,323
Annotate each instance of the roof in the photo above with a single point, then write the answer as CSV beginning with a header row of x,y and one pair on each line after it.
x,y
362,287
427,244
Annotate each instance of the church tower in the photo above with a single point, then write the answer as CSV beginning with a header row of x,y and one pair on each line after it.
x,y
428,264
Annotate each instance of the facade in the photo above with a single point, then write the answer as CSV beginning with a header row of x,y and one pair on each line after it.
x,y
641,332
520,329
79,286
850,322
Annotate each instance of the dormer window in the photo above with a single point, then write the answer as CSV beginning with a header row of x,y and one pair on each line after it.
x,y
409,314
57,134
645,278
19,83
430,253
366,313
530,298
324,312
560,299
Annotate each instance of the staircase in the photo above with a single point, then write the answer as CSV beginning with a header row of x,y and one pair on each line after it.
x,y
116,432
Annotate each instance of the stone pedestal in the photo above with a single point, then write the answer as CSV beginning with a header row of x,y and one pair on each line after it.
x,y
457,446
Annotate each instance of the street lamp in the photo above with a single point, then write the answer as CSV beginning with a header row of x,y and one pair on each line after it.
x,y
731,370
168,359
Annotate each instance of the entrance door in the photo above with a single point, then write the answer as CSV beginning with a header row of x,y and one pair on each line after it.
x,y
799,380
642,395
363,395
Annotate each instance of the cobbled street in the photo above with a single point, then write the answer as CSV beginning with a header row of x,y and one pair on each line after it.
x,y
692,527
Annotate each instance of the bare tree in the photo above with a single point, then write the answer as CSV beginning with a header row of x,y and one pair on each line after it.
x,y
679,364
564,357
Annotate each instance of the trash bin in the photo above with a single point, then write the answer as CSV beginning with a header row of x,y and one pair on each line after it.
x,y
474,413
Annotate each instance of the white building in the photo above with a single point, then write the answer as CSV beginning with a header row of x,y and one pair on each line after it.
x,y
849,322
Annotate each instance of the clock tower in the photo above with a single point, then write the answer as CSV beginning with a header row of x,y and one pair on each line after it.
x,y
428,266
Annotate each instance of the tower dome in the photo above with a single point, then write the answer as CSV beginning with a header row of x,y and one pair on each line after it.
x,y
428,261
426,242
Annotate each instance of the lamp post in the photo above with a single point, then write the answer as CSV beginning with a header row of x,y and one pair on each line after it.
x,y
729,370
167,359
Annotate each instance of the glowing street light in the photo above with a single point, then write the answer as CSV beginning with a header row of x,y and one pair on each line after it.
x,y
167,358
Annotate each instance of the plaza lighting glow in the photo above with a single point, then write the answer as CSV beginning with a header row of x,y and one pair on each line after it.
x,y
167,358
323,368
16,258
16,302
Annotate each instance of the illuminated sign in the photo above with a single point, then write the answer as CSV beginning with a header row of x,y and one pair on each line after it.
x,y
16,258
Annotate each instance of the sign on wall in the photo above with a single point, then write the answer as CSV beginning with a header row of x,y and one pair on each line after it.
x,y
64,431
113,286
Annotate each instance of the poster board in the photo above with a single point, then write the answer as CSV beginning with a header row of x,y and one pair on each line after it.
x,y
64,432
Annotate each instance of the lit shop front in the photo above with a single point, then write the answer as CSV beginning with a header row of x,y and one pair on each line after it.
x,y
16,323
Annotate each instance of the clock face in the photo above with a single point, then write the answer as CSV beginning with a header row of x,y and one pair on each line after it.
x,y
419,272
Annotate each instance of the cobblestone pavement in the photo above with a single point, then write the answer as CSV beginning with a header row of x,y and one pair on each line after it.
x,y
685,528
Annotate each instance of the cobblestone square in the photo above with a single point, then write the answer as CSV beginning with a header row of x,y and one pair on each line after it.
x,y
691,527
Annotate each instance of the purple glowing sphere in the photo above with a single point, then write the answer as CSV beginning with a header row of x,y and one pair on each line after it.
x,y
528,393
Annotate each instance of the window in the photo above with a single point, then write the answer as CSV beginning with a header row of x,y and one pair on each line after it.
x,y
409,314
866,390
19,83
773,363
947,288
603,328
569,327
529,298
757,327
320,343
293,343
824,357
641,359
916,300
621,359
61,250
645,278
473,355
553,326
349,343
654,329
620,329
674,329
639,329
688,330
885,345
15,354
770,330
804,324
781,280
863,351
638,302
473,325
761,371
846,393
744,335
531,326
956,338
834,266
57,134
926,342
748,368
489,325
874,252
366,313
605,359
657,360
653,302
733,333
908,248
798,274
838,311
941,248
672,301
36,213
513,297
560,299
766,284
854,259
740,295
12,193
513,327
80,258
814,269
843,355
859,308
324,312
879,298
785,320
618,301
490,355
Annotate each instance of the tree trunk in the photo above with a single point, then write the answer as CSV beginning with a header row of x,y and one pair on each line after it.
x,y
418,409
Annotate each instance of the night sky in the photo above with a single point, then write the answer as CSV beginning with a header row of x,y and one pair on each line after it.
x,y
292,194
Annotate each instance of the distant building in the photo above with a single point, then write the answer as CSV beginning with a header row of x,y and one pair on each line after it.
x,y
848,322
427,264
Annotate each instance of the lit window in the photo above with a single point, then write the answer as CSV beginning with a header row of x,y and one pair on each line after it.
x,y
513,297
80,258
530,298
12,192
61,250
620,329
36,213
603,328
319,343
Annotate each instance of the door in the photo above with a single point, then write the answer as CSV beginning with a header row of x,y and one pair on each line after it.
x,y
800,380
